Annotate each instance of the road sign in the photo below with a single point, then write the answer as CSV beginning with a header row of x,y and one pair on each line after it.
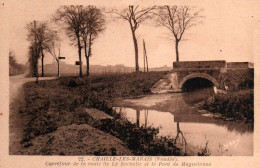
x,y
61,57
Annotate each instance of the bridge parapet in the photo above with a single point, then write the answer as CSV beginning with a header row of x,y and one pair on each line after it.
x,y
200,64
240,65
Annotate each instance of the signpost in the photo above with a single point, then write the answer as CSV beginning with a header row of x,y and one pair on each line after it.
x,y
59,64
77,63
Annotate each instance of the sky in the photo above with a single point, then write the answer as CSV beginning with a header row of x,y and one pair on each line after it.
x,y
228,32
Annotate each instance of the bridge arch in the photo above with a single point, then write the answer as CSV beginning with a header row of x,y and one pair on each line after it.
x,y
199,75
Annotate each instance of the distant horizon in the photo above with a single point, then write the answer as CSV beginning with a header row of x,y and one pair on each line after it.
x,y
63,62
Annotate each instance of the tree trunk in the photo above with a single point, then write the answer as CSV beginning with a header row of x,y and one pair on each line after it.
x,y
35,56
146,118
87,66
136,51
79,51
87,57
42,63
85,50
177,50
144,54
89,52
37,75
58,62
136,55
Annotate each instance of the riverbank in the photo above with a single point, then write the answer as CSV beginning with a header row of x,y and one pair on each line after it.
x,y
234,106
238,103
51,107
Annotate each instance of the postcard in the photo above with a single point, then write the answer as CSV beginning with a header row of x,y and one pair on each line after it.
x,y
129,83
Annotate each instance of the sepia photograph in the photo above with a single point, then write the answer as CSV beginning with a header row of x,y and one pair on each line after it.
x,y
142,84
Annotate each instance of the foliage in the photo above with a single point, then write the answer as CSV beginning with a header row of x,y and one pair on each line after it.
x,y
34,55
39,32
142,141
93,23
238,105
71,19
238,79
14,67
81,24
115,86
40,36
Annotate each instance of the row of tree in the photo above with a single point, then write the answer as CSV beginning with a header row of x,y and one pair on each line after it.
x,y
41,37
83,24
14,67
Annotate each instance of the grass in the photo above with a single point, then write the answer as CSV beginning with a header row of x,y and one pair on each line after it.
x,y
238,79
61,102
238,103
120,85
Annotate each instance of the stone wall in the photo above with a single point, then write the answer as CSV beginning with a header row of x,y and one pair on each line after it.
x,y
239,65
200,64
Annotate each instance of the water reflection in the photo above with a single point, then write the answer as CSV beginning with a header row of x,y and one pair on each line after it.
x,y
183,140
191,128
196,96
193,133
146,111
145,118
138,118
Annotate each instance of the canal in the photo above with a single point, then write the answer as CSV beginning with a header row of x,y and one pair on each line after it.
x,y
177,117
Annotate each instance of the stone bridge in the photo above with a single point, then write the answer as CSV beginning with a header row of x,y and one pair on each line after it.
x,y
189,74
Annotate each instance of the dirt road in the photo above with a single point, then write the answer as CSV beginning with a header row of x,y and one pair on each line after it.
x,y
16,122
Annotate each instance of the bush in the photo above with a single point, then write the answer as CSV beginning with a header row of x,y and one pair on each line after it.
x,y
238,79
238,105
142,141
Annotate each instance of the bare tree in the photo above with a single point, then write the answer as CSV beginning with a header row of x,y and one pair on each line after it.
x,y
135,16
40,33
94,23
178,20
72,17
54,49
